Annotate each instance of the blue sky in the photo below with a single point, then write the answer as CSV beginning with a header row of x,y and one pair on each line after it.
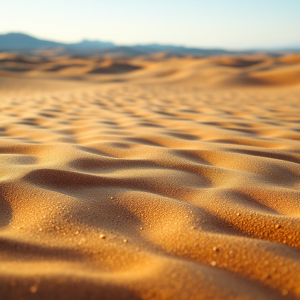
x,y
232,24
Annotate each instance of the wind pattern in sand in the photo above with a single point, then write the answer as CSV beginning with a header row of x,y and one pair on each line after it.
x,y
164,190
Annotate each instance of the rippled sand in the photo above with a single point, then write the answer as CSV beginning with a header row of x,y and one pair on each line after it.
x,y
125,188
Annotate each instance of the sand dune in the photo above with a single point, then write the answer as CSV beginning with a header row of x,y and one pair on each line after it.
x,y
158,178
223,71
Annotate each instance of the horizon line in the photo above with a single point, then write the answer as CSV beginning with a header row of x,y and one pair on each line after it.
x,y
257,48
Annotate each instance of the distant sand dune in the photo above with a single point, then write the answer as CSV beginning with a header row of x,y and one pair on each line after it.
x,y
221,71
159,178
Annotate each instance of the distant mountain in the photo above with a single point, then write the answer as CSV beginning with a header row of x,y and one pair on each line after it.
x,y
151,48
28,45
21,41
86,44
138,50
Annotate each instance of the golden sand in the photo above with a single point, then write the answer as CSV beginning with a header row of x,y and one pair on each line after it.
x,y
154,178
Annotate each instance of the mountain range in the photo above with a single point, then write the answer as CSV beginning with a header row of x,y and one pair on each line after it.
x,y
21,41
26,44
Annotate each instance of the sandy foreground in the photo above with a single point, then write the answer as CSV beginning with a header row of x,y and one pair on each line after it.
x,y
156,178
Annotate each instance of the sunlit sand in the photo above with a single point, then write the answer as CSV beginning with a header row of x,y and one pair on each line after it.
x,y
150,178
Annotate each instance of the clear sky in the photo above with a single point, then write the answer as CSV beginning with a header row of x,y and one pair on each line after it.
x,y
203,23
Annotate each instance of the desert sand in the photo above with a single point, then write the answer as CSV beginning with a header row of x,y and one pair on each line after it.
x,y
151,178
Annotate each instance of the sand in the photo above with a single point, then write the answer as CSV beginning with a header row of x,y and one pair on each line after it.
x,y
150,178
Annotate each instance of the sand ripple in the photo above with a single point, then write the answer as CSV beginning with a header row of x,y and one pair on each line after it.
x,y
193,199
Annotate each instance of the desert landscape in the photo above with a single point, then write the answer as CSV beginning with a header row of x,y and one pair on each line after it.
x,y
150,177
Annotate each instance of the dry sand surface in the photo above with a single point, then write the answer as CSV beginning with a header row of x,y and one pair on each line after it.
x,y
151,178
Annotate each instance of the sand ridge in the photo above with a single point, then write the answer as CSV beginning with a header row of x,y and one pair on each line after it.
x,y
138,186
222,71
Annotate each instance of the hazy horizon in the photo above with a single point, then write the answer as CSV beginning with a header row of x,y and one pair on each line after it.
x,y
227,24
295,44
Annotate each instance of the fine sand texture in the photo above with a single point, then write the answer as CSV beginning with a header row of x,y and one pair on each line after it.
x,y
152,178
